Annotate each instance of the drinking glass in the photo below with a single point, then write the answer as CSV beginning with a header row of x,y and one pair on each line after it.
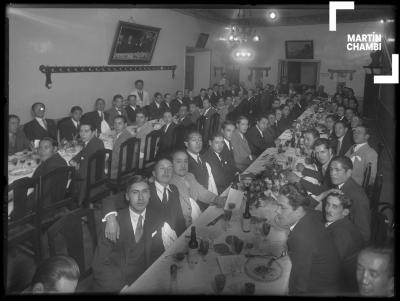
x,y
238,246
249,288
227,217
266,227
203,250
220,281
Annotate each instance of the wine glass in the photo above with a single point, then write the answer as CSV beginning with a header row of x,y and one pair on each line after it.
x,y
249,288
220,281
204,246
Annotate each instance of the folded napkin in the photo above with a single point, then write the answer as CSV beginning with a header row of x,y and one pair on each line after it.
x,y
195,212
168,236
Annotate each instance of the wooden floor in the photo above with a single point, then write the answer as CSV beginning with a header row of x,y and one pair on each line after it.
x,y
21,267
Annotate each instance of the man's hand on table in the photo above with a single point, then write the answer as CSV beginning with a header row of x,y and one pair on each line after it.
x,y
112,228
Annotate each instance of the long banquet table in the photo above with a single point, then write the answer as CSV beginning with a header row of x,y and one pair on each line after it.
x,y
199,279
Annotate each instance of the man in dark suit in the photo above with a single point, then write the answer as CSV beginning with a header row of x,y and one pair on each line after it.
x,y
297,107
255,137
131,108
164,198
167,102
270,133
344,140
330,121
345,235
177,102
166,143
207,115
120,262
49,157
360,214
248,106
40,127
223,172
155,110
91,145
98,118
17,140
315,260
200,98
69,127
228,127
116,110
285,121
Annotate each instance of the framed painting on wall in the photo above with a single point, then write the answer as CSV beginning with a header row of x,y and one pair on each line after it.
x,y
299,49
133,44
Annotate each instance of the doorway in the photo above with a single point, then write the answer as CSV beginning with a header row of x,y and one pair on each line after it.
x,y
299,72
197,69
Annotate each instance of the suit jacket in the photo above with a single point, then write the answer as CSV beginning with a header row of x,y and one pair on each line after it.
x,y
194,116
207,122
199,170
166,143
223,173
112,113
154,112
364,155
269,136
49,165
284,124
131,113
315,260
175,105
125,135
83,156
297,111
360,213
256,141
199,101
94,118
188,187
241,151
20,143
228,154
142,102
34,131
121,263
325,180
67,129
347,142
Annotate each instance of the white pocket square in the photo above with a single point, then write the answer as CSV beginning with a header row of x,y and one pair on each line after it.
x,y
154,233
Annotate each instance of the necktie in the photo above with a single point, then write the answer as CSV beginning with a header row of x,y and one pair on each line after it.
x,y
140,94
139,229
338,147
119,112
199,160
352,149
45,123
165,197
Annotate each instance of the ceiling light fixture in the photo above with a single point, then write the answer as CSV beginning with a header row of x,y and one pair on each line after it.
x,y
272,15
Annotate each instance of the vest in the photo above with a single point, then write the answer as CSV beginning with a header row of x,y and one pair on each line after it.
x,y
199,171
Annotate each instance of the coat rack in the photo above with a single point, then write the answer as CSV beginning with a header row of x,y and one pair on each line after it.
x,y
48,70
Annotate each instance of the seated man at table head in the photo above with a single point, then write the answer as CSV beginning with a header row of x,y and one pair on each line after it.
x,y
69,127
340,170
190,191
310,136
241,149
98,117
120,262
361,154
375,272
17,140
40,127
117,109
55,275
345,235
50,159
121,135
315,261
255,136
344,138
221,167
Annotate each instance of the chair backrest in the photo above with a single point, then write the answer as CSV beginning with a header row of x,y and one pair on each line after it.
x,y
375,194
367,176
18,191
128,157
71,227
98,174
150,148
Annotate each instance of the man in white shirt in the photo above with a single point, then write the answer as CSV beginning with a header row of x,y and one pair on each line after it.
x,y
98,117
40,126
142,96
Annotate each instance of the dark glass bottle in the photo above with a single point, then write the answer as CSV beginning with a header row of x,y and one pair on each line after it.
x,y
293,141
193,246
173,281
246,218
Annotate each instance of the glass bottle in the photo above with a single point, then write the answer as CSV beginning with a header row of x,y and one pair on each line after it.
x,y
173,285
193,246
246,218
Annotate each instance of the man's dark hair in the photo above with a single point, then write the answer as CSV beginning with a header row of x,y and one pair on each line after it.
x,y
260,116
157,94
53,269
91,125
76,108
349,109
49,139
38,103
344,161
13,116
131,95
135,179
217,134
121,117
367,129
295,195
178,92
322,141
117,96
341,122
192,132
165,95
332,116
240,118
164,158
178,151
100,99
226,123
344,200
313,132
139,81
142,111
202,89
270,113
341,106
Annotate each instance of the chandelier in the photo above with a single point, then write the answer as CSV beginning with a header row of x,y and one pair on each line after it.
x,y
241,31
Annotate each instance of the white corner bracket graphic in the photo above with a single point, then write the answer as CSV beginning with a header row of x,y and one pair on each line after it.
x,y
390,79
333,7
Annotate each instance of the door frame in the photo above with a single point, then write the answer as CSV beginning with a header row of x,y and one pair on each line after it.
x,y
302,61
188,50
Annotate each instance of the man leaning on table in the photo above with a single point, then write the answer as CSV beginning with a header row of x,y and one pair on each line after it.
x,y
164,198
119,263
315,261
191,191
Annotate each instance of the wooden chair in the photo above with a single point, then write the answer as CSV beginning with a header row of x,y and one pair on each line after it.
x,y
21,227
72,229
97,177
150,152
128,163
379,152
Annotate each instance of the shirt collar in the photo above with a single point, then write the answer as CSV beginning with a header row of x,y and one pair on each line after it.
x,y
135,216
358,146
194,156
205,112
227,143
341,138
160,187
259,130
157,105
292,226
340,185
133,108
39,119
74,122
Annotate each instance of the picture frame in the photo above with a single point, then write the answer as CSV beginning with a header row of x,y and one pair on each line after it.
x,y
299,49
133,44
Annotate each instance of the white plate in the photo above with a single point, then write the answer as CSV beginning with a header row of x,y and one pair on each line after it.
x,y
21,172
273,272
